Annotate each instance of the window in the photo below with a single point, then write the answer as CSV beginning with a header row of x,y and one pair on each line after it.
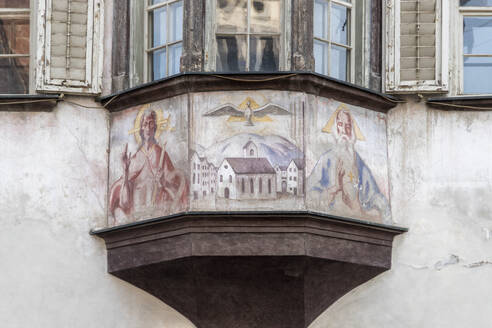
x,y
165,41
221,178
332,38
260,186
476,16
416,45
269,186
230,178
251,186
14,46
247,35
242,185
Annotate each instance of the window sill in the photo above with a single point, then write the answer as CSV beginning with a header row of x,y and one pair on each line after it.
x,y
308,82
27,102
468,103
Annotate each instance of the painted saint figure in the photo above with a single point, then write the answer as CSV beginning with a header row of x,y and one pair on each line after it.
x,y
341,180
150,181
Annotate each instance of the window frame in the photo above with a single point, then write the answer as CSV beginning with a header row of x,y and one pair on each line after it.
x,y
463,12
148,30
352,6
391,48
211,42
32,15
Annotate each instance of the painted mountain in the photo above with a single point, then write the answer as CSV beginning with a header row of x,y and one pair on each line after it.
x,y
278,150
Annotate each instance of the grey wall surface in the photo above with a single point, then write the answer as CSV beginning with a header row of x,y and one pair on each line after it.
x,y
53,187
440,165
53,191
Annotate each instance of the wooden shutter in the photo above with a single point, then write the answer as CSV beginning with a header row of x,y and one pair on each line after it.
x,y
415,35
70,53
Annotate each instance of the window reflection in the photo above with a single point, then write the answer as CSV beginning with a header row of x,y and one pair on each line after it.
x,y
264,53
165,46
475,3
477,54
231,53
14,46
332,44
248,35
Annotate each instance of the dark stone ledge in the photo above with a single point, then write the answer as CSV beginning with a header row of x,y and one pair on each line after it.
x,y
279,269
33,103
462,103
307,82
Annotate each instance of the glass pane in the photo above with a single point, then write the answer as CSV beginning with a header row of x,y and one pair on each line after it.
x,y
338,62
14,35
339,24
14,3
174,58
154,2
176,10
263,53
475,3
321,19
321,57
159,64
231,53
15,75
160,27
265,16
232,16
477,73
477,35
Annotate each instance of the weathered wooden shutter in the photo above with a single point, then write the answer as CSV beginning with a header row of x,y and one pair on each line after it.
x,y
416,32
70,53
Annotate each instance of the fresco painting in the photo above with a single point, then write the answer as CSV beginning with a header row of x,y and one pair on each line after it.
x,y
347,162
246,151
146,175
251,151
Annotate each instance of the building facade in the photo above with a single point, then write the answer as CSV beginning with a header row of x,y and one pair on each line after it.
x,y
257,155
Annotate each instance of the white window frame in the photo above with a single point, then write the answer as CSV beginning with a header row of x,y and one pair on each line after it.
x,y
94,51
391,49
30,13
148,70
351,65
211,31
461,13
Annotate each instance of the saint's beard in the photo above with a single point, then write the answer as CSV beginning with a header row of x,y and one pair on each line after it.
x,y
345,150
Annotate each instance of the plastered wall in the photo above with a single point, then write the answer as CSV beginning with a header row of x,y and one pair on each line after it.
x,y
53,191
440,165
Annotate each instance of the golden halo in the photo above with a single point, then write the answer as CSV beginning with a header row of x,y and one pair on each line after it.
x,y
329,125
162,124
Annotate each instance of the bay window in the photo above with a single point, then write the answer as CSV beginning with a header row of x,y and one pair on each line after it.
x,y
14,46
476,16
333,40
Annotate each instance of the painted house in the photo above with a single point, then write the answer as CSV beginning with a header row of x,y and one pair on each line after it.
x,y
246,178
203,175
281,176
295,177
